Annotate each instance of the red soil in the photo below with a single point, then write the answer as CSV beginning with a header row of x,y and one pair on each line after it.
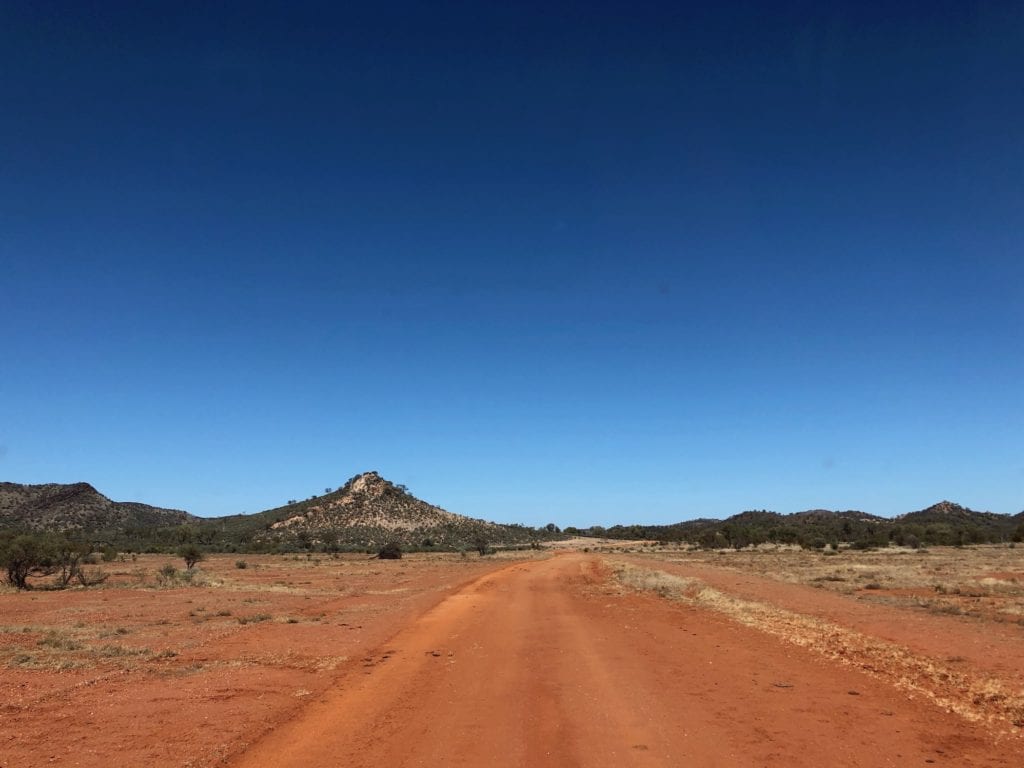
x,y
992,649
431,662
548,664
226,679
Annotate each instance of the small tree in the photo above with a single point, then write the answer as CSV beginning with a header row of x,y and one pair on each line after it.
x,y
481,544
390,551
25,555
191,555
69,557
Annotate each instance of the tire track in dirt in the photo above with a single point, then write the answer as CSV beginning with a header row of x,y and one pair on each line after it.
x,y
549,663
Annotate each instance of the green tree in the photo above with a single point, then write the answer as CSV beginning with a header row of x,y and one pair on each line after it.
x,y
69,557
26,555
191,554
481,544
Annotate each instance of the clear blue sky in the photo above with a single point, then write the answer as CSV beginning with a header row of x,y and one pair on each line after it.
x,y
582,263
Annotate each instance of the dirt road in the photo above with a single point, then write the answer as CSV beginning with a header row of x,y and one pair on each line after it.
x,y
552,663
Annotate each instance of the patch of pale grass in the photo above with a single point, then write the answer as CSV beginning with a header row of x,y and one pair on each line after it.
x,y
659,582
58,650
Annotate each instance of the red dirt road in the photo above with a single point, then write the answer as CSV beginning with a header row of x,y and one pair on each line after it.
x,y
551,663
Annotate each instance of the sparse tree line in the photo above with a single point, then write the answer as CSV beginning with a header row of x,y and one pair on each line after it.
x,y
73,561
26,557
858,534
69,560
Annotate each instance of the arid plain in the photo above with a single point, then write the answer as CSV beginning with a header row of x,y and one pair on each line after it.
x,y
583,655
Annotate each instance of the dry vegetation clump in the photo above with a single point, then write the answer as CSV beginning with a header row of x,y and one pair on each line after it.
x,y
56,649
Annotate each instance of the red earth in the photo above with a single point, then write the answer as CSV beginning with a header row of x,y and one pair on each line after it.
x,y
484,662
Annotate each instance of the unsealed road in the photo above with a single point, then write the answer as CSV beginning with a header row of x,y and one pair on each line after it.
x,y
550,663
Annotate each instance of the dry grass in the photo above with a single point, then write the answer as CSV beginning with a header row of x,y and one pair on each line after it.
x,y
983,582
49,648
974,698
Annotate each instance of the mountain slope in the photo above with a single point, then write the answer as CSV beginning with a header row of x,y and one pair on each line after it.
x,y
78,507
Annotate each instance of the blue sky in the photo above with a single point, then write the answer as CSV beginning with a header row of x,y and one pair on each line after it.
x,y
582,263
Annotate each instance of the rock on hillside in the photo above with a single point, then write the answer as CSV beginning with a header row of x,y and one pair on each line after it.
x,y
371,510
77,507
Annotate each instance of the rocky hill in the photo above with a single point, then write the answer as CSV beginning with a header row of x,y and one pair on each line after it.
x,y
78,507
365,513
369,509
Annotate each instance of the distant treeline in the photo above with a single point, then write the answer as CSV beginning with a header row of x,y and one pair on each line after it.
x,y
215,536
943,525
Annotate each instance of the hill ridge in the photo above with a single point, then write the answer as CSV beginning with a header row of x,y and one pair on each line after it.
x,y
369,510
77,507
944,522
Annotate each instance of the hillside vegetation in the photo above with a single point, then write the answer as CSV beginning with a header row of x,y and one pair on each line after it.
x,y
944,523
369,511
78,507
363,515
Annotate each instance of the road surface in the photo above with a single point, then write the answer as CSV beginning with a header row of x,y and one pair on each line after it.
x,y
552,663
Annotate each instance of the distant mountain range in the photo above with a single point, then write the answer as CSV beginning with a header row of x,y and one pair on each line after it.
x,y
942,523
367,512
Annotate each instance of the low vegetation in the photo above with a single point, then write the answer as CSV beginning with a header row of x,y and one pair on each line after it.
x,y
943,524
37,555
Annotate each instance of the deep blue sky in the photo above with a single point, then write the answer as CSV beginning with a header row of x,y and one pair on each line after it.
x,y
583,263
